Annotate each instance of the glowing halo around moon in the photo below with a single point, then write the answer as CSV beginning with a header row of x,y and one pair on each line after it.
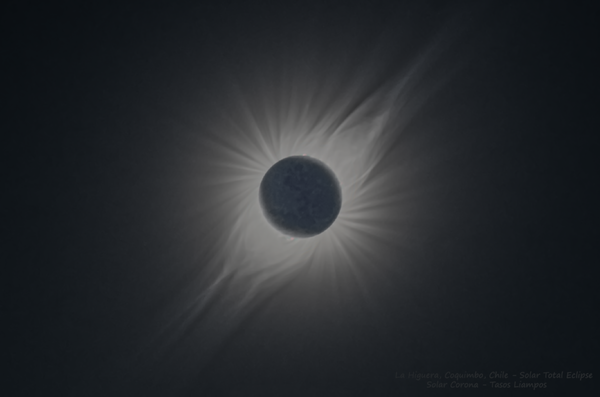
x,y
354,129
250,259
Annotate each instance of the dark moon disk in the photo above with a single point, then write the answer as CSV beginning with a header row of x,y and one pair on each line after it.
x,y
300,196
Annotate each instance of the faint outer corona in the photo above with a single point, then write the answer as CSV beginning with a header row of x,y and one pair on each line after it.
x,y
300,196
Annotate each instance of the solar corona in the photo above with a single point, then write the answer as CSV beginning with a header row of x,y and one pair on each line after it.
x,y
292,186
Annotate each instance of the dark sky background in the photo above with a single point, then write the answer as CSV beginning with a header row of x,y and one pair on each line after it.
x,y
498,269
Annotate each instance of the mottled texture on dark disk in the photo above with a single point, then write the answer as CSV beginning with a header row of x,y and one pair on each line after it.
x,y
300,196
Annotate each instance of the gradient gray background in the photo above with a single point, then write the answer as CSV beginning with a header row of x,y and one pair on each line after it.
x,y
476,250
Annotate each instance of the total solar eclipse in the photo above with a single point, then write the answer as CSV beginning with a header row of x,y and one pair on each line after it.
x,y
300,196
